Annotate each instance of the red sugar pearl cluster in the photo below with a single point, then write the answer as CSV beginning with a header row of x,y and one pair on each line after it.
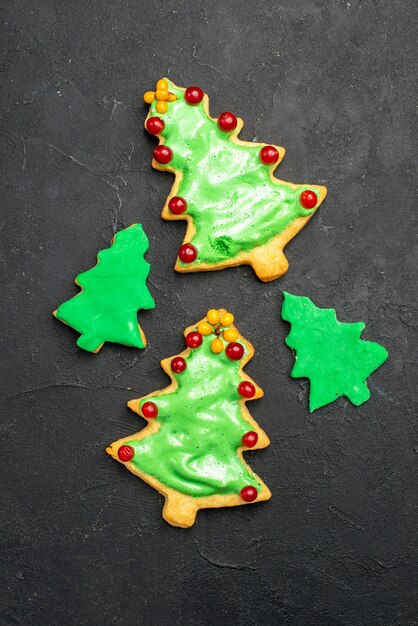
x,y
162,154
187,252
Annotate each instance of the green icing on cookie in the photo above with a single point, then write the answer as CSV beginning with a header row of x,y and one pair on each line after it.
x,y
112,292
234,202
201,426
330,353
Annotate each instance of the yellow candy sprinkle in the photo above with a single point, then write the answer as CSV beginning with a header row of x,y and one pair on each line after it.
x,y
205,329
161,94
171,97
217,345
227,319
230,334
213,316
161,106
162,84
149,96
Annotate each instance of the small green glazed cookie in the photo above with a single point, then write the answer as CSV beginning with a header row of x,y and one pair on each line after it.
x,y
330,353
111,294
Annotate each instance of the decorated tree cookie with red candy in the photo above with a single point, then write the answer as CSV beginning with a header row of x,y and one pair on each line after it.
x,y
237,212
198,427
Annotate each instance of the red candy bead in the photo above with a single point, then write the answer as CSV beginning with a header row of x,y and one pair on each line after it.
x,y
178,365
149,410
163,154
234,351
269,155
246,389
193,95
308,199
126,453
227,121
249,494
249,439
155,125
194,340
177,205
187,253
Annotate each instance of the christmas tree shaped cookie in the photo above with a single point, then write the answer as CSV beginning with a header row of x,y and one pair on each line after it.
x,y
237,212
199,426
330,353
111,294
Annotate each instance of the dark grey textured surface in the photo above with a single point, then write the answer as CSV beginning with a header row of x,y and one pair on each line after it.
x,y
83,541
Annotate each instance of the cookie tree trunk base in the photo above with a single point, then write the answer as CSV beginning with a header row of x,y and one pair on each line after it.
x,y
237,212
198,427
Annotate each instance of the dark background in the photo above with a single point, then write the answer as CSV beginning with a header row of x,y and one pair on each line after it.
x,y
83,541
